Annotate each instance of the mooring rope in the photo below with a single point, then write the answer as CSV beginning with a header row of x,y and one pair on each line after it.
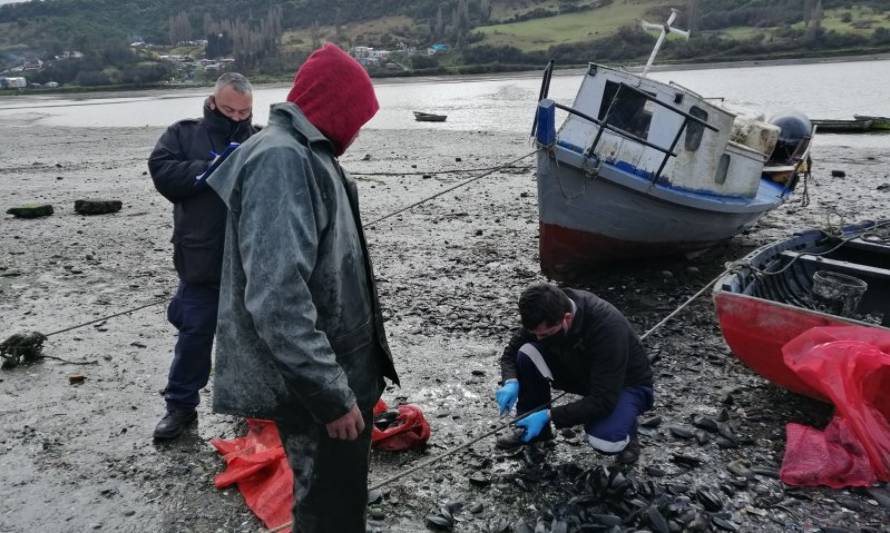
x,y
488,171
448,190
498,429
437,172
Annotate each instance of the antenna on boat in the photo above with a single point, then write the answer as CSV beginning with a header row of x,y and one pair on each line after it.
x,y
665,29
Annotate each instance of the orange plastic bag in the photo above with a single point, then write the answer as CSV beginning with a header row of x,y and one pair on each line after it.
x,y
851,367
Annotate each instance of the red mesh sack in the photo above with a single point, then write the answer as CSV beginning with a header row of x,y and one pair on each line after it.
x,y
851,367
409,430
257,463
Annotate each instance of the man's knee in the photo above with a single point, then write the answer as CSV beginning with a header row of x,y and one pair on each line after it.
x,y
530,361
606,445
198,320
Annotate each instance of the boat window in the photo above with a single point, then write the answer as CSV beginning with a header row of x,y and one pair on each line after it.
x,y
627,110
722,169
694,130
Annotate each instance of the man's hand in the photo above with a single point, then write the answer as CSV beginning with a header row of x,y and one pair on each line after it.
x,y
533,424
348,426
507,395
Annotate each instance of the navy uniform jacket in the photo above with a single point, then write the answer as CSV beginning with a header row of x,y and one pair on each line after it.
x,y
183,153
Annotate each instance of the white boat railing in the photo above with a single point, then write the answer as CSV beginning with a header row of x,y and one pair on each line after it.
x,y
545,123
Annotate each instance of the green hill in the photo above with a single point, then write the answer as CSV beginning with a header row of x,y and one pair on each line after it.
x,y
271,37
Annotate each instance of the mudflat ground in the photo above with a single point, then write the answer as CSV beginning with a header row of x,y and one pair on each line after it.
x,y
80,457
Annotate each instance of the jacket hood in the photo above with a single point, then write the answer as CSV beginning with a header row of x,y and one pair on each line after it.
x,y
335,94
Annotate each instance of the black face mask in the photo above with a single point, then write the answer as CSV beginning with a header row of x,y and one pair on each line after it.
x,y
231,123
555,340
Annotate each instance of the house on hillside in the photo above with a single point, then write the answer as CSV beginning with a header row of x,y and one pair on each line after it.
x,y
13,83
70,54
367,55
32,64
438,48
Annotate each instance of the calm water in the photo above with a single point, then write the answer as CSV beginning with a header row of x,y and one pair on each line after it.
x,y
828,90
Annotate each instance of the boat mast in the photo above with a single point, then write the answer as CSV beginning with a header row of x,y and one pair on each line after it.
x,y
665,29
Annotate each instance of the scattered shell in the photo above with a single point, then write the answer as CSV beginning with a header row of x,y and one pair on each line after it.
x,y
438,522
724,524
705,422
651,422
657,521
681,432
710,500
479,480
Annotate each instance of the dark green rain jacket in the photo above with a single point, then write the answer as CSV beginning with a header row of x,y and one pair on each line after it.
x,y
299,329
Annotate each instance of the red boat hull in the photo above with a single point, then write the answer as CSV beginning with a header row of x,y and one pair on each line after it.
x,y
756,330
566,251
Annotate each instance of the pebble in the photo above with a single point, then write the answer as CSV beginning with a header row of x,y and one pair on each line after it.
x,y
838,174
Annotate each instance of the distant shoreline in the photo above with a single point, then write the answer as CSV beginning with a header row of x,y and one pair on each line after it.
x,y
663,67
454,78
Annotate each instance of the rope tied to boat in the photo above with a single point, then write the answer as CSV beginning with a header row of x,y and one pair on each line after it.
x,y
26,348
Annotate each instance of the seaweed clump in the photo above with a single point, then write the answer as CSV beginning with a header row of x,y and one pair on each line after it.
x,y
21,348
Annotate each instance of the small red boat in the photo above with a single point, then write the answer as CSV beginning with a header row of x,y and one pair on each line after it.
x,y
812,279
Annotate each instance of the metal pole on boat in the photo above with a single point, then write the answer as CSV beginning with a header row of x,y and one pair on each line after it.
x,y
665,29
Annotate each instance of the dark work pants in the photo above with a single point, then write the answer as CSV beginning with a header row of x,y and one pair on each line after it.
x,y
330,477
193,312
609,434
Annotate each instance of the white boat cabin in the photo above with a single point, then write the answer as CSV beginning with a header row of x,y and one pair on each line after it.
x,y
710,162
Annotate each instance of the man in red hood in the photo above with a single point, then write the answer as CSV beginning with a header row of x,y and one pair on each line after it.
x,y
300,336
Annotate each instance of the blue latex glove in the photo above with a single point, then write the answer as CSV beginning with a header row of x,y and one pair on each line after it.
x,y
507,395
534,424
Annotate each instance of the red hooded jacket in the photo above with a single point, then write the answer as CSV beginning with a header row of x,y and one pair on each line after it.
x,y
335,93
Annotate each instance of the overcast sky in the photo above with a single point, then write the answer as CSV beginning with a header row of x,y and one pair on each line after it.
x,y
11,1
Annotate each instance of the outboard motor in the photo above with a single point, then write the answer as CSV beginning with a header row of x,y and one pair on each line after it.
x,y
794,138
791,157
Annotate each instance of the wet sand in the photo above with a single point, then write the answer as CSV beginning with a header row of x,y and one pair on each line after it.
x,y
79,458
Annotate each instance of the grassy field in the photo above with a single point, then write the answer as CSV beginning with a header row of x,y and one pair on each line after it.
x,y
541,34
359,34
856,20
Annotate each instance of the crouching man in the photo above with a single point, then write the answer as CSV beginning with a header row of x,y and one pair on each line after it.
x,y
581,344
300,332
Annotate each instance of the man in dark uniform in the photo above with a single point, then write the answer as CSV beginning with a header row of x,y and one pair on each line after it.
x,y
181,156
583,345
